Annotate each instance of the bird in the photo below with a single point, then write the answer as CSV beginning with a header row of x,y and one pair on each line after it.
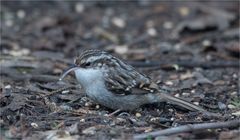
x,y
113,83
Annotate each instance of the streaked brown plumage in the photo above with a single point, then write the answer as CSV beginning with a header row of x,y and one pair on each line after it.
x,y
117,85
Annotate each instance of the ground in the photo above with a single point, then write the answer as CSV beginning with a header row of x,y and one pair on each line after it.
x,y
191,49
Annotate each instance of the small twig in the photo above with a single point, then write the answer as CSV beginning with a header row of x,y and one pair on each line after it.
x,y
59,90
189,128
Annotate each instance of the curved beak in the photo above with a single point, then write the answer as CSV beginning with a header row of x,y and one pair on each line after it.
x,y
68,70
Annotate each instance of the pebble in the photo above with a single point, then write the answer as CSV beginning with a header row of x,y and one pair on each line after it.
x,y
221,106
206,43
173,77
235,75
152,32
150,23
196,103
66,107
21,14
7,87
120,120
186,76
230,106
119,22
79,7
89,131
178,46
169,83
236,113
65,91
82,120
148,130
233,93
168,25
97,106
87,104
123,49
138,115
185,94
154,119
57,70
177,95
184,11
20,52
9,23
113,132
34,125
193,91
219,82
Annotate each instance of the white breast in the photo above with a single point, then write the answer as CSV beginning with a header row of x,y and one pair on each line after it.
x,y
89,77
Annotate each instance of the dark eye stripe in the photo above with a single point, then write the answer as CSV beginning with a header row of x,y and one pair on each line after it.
x,y
86,64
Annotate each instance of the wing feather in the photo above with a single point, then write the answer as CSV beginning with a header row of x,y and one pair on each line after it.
x,y
124,81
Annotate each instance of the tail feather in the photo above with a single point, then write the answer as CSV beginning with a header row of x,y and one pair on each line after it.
x,y
182,103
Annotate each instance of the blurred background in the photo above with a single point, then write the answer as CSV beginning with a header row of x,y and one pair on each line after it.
x,y
140,27
190,46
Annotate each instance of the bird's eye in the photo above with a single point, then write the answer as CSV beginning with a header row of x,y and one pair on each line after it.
x,y
87,64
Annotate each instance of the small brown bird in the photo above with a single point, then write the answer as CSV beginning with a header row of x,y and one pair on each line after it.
x,y
114,84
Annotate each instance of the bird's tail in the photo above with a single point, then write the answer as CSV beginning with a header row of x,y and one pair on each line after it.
x,y
181,102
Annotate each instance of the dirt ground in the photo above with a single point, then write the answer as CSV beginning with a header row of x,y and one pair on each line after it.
x,y
191,49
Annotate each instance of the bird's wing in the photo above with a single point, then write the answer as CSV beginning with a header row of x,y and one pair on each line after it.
x,y
128,81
